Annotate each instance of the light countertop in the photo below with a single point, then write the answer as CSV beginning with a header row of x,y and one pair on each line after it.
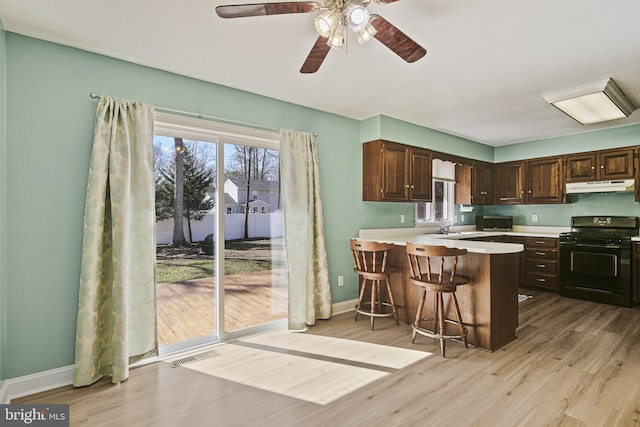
x,y
450,240
429,236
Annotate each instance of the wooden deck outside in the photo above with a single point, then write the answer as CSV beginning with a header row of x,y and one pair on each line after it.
x,y
187,309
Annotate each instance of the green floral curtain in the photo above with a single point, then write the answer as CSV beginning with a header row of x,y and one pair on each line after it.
x,y
117,312
307,267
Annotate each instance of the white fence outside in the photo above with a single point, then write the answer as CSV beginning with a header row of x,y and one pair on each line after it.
x,y
260,225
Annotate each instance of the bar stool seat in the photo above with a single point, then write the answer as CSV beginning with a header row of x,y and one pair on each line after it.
x,y
439,284
370,264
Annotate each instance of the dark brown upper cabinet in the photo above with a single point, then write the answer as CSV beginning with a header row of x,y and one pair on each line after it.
x,y
530,181
395,172
509,183
545,180
600,165
474,183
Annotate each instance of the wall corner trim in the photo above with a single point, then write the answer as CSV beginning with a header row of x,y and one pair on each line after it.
x,y
39,382
344,306
4,393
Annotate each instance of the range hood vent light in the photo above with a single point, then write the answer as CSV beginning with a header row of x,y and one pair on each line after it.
x,y
601,186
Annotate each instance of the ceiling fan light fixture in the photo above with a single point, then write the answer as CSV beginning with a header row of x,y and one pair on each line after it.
x,y
357,17
592,103
338,36
326,22
366,34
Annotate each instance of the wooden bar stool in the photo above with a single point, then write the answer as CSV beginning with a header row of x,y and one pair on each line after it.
x,y
370,260
439,283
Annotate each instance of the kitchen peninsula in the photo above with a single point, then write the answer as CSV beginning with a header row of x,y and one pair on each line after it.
x,y
489,302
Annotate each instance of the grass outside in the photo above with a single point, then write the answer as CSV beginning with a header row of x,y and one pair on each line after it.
x,y
179,264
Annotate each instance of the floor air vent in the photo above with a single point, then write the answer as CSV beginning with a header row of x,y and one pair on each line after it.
x,y
188,359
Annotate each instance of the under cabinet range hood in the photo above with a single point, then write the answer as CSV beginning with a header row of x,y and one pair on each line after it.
x,y
601,186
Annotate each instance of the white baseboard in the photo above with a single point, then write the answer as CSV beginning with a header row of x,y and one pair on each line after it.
x,y
38,382
4,394
344,306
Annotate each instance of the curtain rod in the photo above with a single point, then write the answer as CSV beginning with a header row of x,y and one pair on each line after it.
x,y
94,95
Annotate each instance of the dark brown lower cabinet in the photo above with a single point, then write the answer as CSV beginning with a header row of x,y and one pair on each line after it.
x,y
541,262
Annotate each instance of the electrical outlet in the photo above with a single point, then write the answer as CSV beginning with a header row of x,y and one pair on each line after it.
x,y
340,280
461,218
534,218
401,219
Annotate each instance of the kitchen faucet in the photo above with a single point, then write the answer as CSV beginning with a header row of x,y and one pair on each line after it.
x,y
444,229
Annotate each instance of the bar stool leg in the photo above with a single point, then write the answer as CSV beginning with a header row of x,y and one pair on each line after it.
x,y
416,324
455,303
441,323
393,303
359,304
373,303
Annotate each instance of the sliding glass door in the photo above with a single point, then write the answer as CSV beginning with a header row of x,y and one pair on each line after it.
x,y
221,269
255,280
186,173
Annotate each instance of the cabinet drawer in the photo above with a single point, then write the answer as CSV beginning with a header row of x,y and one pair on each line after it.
x,y
541,254
541,281
545,267
540,242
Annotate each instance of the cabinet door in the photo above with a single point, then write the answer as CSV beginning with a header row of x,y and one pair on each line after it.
x,y
420,175
581,167
474,184
463,192
487,184
545,181
616,164
509,183
394,172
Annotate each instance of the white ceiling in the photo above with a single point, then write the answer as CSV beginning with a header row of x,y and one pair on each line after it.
x,y
487,66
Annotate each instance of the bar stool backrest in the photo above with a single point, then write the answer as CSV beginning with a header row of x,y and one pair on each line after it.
x,y
437,254
370,257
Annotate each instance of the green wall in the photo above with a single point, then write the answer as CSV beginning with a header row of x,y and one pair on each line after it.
x,y
577,204
49,128
597,140
50,125
3,216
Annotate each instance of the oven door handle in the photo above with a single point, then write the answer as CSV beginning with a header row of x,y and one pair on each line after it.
x,y
586,245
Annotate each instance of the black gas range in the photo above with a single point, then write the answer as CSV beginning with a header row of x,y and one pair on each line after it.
x,y
595,258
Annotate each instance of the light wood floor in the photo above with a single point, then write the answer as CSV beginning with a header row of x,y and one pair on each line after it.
x,y
575,363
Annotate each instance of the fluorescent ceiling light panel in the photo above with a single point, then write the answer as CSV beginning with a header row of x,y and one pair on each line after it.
x,y
592,103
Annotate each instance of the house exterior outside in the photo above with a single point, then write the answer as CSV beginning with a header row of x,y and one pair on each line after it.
x,y
265,196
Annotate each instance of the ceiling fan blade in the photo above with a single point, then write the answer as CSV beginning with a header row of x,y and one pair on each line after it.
x,y
390,36
315,58
261,9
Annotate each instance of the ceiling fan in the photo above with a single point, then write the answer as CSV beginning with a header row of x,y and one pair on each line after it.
x,y
332,24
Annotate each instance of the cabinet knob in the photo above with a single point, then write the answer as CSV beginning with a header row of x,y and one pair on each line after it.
x,y
593,167
413,186
601,166
540,279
